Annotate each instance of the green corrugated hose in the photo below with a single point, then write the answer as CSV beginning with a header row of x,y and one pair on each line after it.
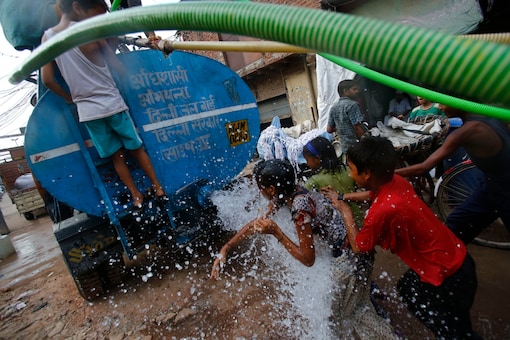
x,y
115,5
463,67
433,96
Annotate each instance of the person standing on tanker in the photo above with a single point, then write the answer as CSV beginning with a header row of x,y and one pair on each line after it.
x,y
440,286
100,105
353,315
487,142
345,115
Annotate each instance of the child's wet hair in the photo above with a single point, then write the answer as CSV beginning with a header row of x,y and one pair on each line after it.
x,y
375,154
278,173
323,148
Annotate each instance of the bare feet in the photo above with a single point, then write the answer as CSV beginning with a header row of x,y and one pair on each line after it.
x,y
138,201
160,194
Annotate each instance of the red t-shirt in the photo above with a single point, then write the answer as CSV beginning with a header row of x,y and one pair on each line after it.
x,y
400,221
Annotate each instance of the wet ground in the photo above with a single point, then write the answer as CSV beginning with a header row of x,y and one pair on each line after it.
x,y
172,297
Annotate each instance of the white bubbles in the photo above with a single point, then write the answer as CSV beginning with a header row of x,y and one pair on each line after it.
x,y
146,277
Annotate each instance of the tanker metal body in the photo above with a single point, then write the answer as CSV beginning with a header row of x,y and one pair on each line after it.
x,y
199,123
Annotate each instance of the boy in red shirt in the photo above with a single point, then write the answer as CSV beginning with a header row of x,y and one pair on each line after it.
x,y
440,286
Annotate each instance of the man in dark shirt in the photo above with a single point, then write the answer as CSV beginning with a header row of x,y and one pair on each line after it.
x,y
487,142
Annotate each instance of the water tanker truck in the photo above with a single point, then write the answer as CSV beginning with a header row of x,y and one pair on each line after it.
x,y
199,124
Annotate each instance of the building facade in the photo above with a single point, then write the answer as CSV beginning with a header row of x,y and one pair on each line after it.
x,y
284,84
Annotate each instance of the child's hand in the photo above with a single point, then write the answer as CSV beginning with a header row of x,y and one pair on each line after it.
x,y
342,207
330,193
153,40
218,265
265,226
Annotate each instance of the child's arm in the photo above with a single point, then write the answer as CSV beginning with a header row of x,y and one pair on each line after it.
x,y
348,216
48,79
241,235
356,196
304,253
454,141
350,224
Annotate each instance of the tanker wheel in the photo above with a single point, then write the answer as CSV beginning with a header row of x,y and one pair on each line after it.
x,y
89,285
115,270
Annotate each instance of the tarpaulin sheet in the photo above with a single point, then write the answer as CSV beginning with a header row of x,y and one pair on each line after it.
x,y
24,21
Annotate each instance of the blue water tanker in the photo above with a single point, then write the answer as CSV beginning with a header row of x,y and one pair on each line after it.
x,y
199,123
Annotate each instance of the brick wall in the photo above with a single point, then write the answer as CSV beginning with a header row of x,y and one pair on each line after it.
x,y
203,36
267,85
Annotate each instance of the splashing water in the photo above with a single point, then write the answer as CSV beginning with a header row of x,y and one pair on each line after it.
x,y
302,294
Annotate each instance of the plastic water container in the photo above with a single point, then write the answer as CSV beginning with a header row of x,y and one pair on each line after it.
x,y
6,247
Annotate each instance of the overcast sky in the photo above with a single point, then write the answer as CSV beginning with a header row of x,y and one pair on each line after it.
x,y
12,114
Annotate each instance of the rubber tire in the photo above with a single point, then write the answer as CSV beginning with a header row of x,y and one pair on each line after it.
x,y
452,190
